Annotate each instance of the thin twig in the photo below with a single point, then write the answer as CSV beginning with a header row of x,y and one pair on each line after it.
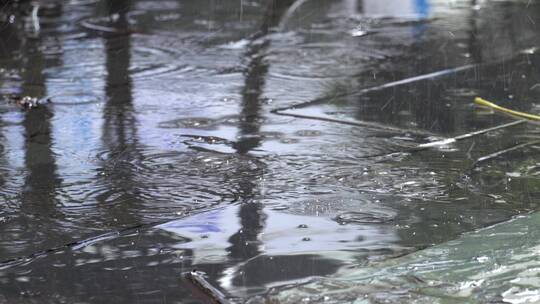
x,y
447,141
470,150
501,152
472,134
434,75
357,123
197,279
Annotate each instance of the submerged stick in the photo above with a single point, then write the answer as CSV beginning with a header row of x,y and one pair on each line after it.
x,y
197,279
491,105
501,152
357,123
494,155
363,91
447,141
471,134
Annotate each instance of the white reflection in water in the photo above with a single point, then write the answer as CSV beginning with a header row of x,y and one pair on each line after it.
x,y
283,233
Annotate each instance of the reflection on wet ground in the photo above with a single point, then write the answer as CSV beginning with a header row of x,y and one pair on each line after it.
x,y
466,270
241,139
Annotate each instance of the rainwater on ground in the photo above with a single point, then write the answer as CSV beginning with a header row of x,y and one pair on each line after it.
x,y
284,148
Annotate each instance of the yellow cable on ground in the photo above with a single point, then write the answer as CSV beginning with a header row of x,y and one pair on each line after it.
x,y
483,102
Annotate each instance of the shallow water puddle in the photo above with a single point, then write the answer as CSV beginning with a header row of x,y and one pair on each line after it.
x,y
437,104
268,237
161,150
498,263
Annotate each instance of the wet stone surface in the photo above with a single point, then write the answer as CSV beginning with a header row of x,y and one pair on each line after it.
x,y
161,150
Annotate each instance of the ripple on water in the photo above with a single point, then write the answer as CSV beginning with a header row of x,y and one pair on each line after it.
x,y
150,57
341,62
150,185
190,123
106,24
326,165
79,98
282,233
308,133
366,217
142,13
205,123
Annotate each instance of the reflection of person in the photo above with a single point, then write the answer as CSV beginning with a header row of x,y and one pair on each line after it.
x,y
396,8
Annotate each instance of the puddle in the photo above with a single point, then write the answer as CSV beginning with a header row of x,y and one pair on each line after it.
x,y
496,263
241,139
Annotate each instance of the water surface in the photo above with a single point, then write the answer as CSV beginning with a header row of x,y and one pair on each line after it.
x,y
157,148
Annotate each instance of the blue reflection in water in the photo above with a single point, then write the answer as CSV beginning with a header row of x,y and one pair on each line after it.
x,y
396,8
422,8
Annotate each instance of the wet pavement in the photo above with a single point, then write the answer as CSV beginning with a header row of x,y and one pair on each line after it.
x,y
265,143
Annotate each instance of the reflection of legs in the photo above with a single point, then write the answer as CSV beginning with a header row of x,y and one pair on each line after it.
x,y
41,181
255,79
245,243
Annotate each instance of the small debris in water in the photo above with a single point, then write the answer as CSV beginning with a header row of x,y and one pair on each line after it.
x,y
359,31
25,103
482,259
197,279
